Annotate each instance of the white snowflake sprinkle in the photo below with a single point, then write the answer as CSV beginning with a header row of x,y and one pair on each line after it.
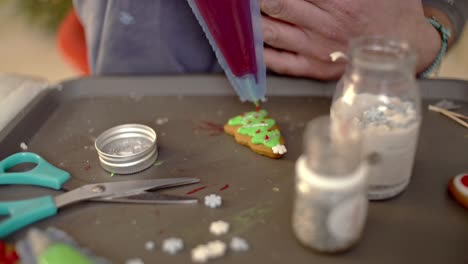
x,y
172,245
23,146
134,261
238,244
216,249
150,245
200,254
279,149
213,201
212,250
219,228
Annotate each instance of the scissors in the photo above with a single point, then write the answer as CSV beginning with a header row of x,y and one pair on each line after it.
x,y
22,213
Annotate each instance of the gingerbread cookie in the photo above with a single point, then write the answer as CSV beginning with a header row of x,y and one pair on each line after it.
x,y
458,186
257,131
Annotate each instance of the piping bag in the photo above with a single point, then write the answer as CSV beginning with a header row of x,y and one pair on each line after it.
x,y
53,246
233,28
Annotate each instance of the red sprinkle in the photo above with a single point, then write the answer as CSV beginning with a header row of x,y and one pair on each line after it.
x,y
224,187
464,180
258,131
258,108
267,137
197,190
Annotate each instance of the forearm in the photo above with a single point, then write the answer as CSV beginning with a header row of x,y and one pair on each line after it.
x,y
452,14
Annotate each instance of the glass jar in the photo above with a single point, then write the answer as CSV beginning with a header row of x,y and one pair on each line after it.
x,y
330,205
380,95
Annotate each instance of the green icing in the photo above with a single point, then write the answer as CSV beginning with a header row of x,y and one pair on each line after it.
x,y
267,138
244,118
256,125
61,253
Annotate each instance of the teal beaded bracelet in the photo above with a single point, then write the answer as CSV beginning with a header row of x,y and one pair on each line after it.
x,y
445,35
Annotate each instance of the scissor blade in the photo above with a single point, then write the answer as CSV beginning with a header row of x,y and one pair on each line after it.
x,y
122,188
150,198
139,186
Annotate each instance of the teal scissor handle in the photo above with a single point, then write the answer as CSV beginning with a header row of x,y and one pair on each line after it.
x,y
22,213
44,174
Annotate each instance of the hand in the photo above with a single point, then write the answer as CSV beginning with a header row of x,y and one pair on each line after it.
x,y
300,34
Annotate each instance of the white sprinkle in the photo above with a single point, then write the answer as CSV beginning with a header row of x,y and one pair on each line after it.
x,y
200,254
219,228
134,261
162,120
134,222
238,244
212,250
23,146
150,245
213,201
279,149
275,189
172,245
216,249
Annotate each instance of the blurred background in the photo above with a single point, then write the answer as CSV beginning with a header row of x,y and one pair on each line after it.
x,y
39,35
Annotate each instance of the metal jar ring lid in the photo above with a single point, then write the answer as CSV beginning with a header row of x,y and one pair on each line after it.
x,y
127,149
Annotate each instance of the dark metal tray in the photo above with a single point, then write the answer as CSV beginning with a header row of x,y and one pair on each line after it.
x,y
423,225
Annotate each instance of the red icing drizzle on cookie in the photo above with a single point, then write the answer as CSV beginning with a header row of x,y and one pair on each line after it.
x,y
464,180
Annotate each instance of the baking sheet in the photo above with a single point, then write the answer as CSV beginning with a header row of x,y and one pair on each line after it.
x,y
423,225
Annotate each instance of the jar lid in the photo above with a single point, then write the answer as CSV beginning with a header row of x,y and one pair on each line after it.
x,y
127,149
